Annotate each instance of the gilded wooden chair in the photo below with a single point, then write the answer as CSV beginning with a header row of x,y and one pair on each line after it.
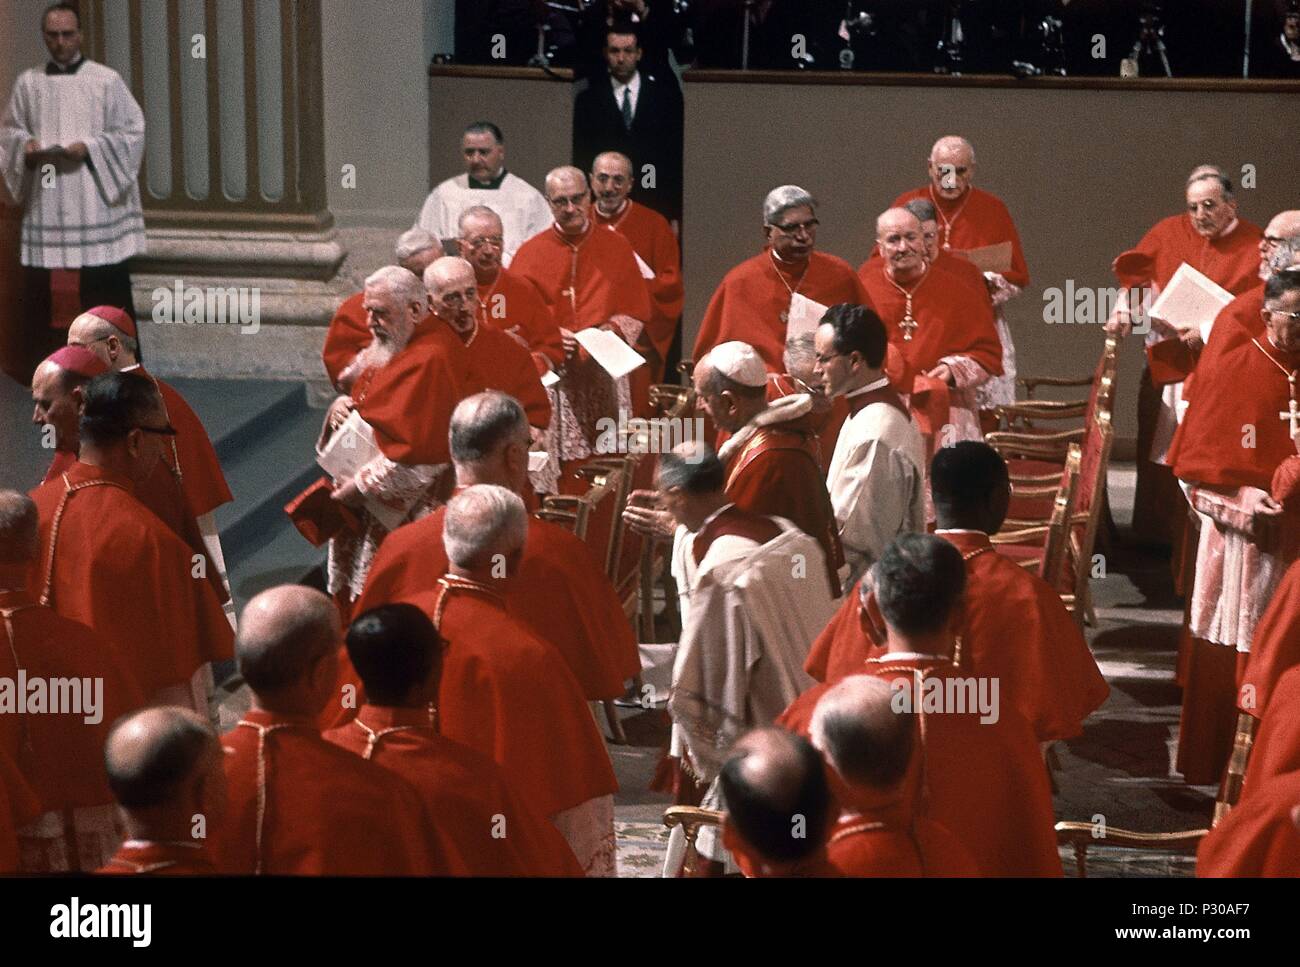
x,y
1043,546
691,819
1081,836
1086,518
1243,740
597,518
1026,415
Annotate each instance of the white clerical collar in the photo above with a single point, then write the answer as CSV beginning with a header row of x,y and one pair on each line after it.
x,y
874,385
959,530
130,369
1232,227
911,656
709,520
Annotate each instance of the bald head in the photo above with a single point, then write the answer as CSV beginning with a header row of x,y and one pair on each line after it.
x,y
901,243
453,291
951,167
485,524
283,633
19,543
1280,247
777,797
153,755
611,180
865,740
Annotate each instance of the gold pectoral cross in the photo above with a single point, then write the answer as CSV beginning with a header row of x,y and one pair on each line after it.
x,y
908,325
1292,411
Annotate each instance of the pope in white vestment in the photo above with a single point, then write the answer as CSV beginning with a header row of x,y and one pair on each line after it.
x,y
877,476
750,612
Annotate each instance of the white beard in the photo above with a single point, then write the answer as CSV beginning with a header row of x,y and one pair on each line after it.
x,y
374,356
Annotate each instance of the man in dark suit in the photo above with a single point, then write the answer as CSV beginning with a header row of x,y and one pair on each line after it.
x,y
638,114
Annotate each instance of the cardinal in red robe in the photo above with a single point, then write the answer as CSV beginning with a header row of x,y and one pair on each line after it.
x,y
165,766
483,826
97,540
946,329
349,330
297,804
1275,646
1260,837
1227,450
1276,749
507,692
753,301
187,485
1211,238
654,241
588,277
971,232
985,780
58,747
878,832
56,392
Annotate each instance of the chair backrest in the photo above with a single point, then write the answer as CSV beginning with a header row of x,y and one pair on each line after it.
x,y
1089,505
1057,543
690,819
1233,780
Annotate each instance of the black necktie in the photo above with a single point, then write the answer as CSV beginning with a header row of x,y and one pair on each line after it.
x,y
627,108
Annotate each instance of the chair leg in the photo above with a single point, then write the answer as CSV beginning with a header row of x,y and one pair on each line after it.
x,y
617,735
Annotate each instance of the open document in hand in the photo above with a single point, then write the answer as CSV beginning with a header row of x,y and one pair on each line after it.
x,y
350,448
612,354
1191,300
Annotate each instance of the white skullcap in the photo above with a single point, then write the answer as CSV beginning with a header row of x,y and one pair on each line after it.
x,y
738,362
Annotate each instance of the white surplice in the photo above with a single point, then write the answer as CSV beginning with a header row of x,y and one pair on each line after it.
x,y
750,614
521,207
876,481
90,214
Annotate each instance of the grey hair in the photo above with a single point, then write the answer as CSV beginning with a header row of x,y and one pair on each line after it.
x,y
474,210
483,520
413,241
694,467
1202,172
800,352
923,209
402,284
481,423
781,200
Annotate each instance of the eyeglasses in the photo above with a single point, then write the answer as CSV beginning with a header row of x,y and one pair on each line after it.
x,y
572,200
823,360
92,342
167,430
495,241
1267,311
458,298
795,228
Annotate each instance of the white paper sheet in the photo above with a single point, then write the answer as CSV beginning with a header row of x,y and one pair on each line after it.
x,y
550,378
1191,300
537,459
805,316
350,448
614,355
646,271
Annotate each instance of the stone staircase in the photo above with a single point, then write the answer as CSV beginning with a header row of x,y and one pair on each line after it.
x,y
264,432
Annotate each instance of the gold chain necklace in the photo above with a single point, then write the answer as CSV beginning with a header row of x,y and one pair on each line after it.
x,y
785,316
1292,412
946,222
909,323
